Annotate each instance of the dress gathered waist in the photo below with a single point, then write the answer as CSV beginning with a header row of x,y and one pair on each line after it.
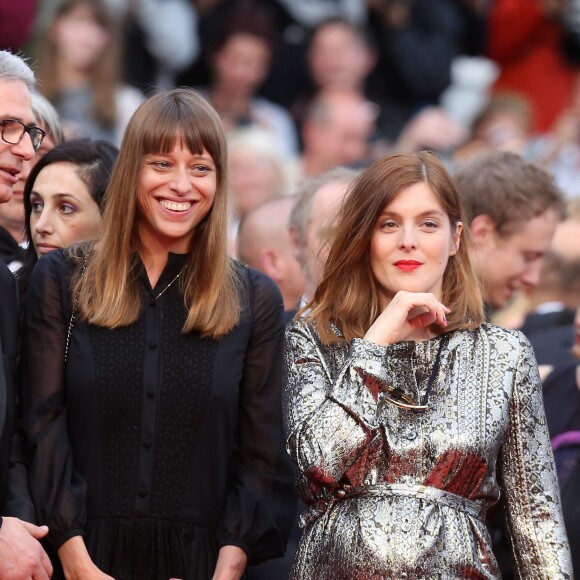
x,y
418,491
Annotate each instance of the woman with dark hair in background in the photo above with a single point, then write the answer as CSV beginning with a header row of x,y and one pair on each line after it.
x,y
407,413
64,199
152,408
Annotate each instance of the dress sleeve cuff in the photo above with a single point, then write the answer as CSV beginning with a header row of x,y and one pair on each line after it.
x,y
59,540
225,540
359,386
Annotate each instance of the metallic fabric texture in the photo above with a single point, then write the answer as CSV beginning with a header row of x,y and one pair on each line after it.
x,y
398,493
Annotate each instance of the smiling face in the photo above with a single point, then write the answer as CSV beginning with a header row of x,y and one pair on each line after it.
x,y
411,243
63,211
506,263
176,192
14,104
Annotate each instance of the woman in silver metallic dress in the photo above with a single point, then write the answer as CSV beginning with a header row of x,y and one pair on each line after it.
x,y
408,415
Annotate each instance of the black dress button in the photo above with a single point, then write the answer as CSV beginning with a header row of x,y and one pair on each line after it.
x,y
143,493
147,445
152,302
152,345
151,394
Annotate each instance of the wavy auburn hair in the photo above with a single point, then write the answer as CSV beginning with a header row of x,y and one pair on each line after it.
x,y
109,289
349,295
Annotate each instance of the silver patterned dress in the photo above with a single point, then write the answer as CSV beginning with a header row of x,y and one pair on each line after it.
x,y
396,493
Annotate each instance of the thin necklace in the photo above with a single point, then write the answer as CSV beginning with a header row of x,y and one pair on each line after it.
x,y
168,286
435,370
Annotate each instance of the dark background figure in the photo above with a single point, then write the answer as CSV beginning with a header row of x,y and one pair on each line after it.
x,y
417,41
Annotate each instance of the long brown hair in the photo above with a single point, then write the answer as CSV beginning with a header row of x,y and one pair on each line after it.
x,y
109,290
348,295
106,73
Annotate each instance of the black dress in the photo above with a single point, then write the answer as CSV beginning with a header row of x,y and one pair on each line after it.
x,y
159,447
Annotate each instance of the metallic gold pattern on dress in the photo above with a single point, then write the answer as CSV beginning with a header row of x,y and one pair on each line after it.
x,y
397,493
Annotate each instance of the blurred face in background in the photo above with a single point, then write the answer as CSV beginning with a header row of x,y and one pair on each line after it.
x,y
63,210
338,58
254,179
79,38
242,64
509,262
576,347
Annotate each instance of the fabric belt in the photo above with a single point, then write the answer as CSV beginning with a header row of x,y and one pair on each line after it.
x,y
422,492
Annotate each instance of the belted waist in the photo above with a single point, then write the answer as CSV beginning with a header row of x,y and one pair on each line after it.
x,y
418,491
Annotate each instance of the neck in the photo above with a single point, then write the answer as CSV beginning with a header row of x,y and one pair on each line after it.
x,y
71,78
155,263
227,101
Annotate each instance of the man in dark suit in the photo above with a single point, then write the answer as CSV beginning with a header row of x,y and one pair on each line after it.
x,y
21,555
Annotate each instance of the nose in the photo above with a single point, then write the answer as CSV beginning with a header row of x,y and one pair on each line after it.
x,y
181,183
407,240
24,149
43,224
531,275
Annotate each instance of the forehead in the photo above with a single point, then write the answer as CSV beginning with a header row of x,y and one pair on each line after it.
x,y
327,200
417,198
15,101
534,235
59,177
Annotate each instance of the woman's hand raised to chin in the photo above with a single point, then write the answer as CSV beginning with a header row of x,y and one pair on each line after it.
x,y
406,313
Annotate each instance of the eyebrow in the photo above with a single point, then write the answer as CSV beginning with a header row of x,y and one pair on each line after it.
x,y
198,157
421,215
57,195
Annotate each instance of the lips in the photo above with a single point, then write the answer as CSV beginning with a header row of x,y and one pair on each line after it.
x,y
176,206
408,265
11,174
45,248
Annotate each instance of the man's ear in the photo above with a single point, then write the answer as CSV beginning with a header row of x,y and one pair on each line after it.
x,y
295,244
483,230
269,263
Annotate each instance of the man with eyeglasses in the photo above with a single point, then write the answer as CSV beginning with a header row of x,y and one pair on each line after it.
x,y
21,555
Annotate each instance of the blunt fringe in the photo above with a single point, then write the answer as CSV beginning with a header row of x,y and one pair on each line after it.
x,y
348,297
109,289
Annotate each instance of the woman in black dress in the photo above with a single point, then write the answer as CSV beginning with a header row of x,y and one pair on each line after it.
x,y
152,370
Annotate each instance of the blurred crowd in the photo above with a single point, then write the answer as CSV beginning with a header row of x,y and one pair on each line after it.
x,y
312,91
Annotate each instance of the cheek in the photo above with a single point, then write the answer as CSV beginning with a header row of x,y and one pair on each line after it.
x,y
85,228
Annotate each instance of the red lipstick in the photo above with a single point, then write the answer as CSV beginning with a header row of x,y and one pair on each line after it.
x,y
408,265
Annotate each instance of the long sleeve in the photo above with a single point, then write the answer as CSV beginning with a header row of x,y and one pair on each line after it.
x,y
261,503
8,375
330,422
58,492
528,480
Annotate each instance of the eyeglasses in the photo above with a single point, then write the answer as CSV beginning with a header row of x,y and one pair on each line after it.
x,y
13,130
